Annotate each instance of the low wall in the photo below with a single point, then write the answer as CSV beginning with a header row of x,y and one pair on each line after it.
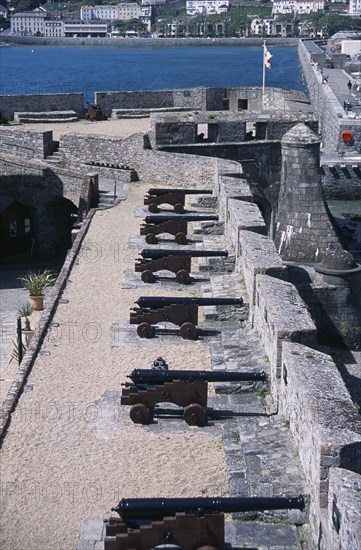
x,y
31,144
325,425
280,314
257,255
344,509
341,181
9,104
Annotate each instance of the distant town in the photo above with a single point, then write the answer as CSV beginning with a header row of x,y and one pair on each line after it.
x,y
181,18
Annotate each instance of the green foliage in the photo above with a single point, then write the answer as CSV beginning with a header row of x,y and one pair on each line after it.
x,y
330,23
36,283
135,25
25,310
15,352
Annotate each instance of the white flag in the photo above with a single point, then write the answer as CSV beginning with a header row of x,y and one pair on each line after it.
x,y
267,58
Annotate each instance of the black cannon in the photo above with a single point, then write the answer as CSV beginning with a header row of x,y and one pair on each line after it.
x,y
187,523
174,225
179,311
177,261
187,389
172,196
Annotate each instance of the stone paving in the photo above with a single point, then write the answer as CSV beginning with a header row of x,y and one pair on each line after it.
x,y
260,454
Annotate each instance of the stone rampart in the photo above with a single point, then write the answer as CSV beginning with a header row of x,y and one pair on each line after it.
x,y
280,315
333,118
306,383
32,144
324,423
257,255
9,104
341,181
344,509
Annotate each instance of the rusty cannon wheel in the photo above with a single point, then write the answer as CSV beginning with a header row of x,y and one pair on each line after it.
x,y
148,276
183,277
140,414
181,238
145,330
151,239
195,414
208,548
179,208
188,331
153,208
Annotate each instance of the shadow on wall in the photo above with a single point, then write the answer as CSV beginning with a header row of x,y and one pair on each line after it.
x,y
35,218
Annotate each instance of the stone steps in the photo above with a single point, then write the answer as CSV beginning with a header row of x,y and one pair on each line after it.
x,y
45,116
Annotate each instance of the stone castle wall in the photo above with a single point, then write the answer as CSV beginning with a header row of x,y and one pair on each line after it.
x,y
306,383
333,118
10,104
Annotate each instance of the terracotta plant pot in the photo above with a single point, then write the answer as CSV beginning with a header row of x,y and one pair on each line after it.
x,y
37,302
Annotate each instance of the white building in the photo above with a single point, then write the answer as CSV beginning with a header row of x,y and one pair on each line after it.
x,y
53,29
206,7
262,26
354,7
297,6
153,2
27,23
85,29
110,12
351,47
105,12
128,11
87,13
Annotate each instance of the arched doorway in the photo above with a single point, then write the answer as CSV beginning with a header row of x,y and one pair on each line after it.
x,y
16,228
54,225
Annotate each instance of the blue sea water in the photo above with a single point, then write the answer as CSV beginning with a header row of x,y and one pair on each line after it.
x,y
49,69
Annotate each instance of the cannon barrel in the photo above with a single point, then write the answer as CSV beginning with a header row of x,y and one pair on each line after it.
x,y
161,191
162,218
160,301
157,508
160,253
158,376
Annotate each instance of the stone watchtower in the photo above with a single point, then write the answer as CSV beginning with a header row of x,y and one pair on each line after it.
x,y
303,229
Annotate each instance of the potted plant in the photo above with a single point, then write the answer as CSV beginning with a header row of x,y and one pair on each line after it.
x,y
35,284
24,312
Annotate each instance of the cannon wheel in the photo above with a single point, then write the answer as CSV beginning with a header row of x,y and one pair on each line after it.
x,y
151,239
194,414
148,276
188,331
179,208
208,548
181,238
145,330
183,277
153,208
140,414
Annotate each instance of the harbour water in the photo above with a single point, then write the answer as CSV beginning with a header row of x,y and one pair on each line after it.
x,y
31,69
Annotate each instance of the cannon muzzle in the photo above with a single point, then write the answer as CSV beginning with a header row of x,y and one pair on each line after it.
x,y
162,218
154,302
133,509
159,376
161,191
161,253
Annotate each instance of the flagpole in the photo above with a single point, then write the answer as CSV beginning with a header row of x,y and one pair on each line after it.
x,y
263,72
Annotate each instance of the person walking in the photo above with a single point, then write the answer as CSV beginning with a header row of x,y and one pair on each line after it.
x,y
349,85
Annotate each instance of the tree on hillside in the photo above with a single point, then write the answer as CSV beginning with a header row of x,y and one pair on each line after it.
x,y
135,25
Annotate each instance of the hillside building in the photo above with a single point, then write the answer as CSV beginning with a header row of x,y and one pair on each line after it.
x,y
206,7
297,6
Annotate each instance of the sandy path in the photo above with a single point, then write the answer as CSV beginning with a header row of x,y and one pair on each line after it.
x,y
110,127
69,456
